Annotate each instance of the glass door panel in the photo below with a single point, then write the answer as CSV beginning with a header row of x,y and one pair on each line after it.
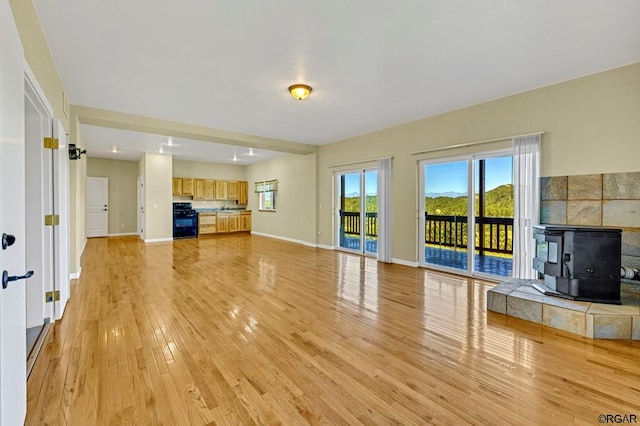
x,y
350,208
494,215
446,208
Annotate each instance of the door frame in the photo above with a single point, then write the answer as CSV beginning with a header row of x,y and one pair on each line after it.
x,y
336,231
140,206
471,214
39,201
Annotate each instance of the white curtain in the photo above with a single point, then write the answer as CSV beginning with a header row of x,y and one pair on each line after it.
x,y
526,171
384,210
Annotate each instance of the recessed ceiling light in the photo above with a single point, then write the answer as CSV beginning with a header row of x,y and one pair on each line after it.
x,y
170,141
161,151
235,157
114,150
251,152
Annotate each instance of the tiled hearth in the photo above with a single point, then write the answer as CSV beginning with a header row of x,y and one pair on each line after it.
x,y
517,298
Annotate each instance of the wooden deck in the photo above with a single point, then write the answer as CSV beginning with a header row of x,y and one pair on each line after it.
x,y
242,329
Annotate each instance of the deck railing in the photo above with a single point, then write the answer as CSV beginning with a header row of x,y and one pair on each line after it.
x,y
446,231
452,231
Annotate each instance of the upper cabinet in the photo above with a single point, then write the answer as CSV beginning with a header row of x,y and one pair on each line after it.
x,y
212,189
177,186
198,193
221,190
232,190
209,189
187,186
243,192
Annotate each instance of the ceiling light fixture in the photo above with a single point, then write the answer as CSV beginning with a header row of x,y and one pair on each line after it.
x,y
235,157
114,150
300,91
170,142
251,152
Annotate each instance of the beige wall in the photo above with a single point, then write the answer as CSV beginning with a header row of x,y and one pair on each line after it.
x,y
195,169
158,199
77,202
38,56
591,125
295,217
123,178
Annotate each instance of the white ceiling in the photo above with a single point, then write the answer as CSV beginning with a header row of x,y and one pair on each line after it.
x,y
103,142
372,64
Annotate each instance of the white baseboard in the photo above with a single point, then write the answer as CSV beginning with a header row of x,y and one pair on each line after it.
x,y
405,263
157,240
75,275
84,244
325,247
291,240
124,234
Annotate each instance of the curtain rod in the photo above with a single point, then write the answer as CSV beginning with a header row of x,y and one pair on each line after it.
x,y
360,161
466,144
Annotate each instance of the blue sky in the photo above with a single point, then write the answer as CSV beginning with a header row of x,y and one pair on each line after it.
x,y
452,177
352,183
443,177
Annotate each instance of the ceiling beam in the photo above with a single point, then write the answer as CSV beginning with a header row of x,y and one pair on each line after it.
x,y
139,123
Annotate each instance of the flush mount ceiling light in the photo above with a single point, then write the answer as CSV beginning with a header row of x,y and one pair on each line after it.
x,y
300,91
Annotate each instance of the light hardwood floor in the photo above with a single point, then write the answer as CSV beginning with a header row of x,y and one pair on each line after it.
x,y
243,329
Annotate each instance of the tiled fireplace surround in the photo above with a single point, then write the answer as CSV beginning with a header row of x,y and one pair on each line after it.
x,y
610,199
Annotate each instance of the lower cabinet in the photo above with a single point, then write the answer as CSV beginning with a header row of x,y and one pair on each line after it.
x,y
223,222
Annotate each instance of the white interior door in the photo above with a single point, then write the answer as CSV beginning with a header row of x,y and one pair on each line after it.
x,y
13,378
97,206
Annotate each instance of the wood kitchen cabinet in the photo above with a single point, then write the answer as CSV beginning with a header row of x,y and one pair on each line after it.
x,y
221,189
209,189
245,221
243,192
176,185
187,186
232,189
207,223
223,223
234,222
198,192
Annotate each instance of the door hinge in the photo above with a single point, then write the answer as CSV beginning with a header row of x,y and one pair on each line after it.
x,y
52,296
51,143
51,220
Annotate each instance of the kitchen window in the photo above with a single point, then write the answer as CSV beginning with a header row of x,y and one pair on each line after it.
x,y
267,191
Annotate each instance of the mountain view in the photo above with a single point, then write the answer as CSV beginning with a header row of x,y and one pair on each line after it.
x,y
498,203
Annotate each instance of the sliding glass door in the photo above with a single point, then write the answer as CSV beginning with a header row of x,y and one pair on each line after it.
x,y
467,214
357,212
446,207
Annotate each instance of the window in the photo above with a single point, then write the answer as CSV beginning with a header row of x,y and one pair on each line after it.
x,y
267,192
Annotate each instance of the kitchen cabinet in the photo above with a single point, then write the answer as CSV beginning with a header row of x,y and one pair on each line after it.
x,y
176,186
187,186
209,189
223,223
232,189
207,223
221,189
243,192
198,192
234,222
245,221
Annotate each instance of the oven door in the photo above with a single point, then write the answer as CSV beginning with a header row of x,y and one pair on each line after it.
x,y
185,226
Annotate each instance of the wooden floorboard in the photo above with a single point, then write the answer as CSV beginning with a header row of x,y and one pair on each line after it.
x,y
244,329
